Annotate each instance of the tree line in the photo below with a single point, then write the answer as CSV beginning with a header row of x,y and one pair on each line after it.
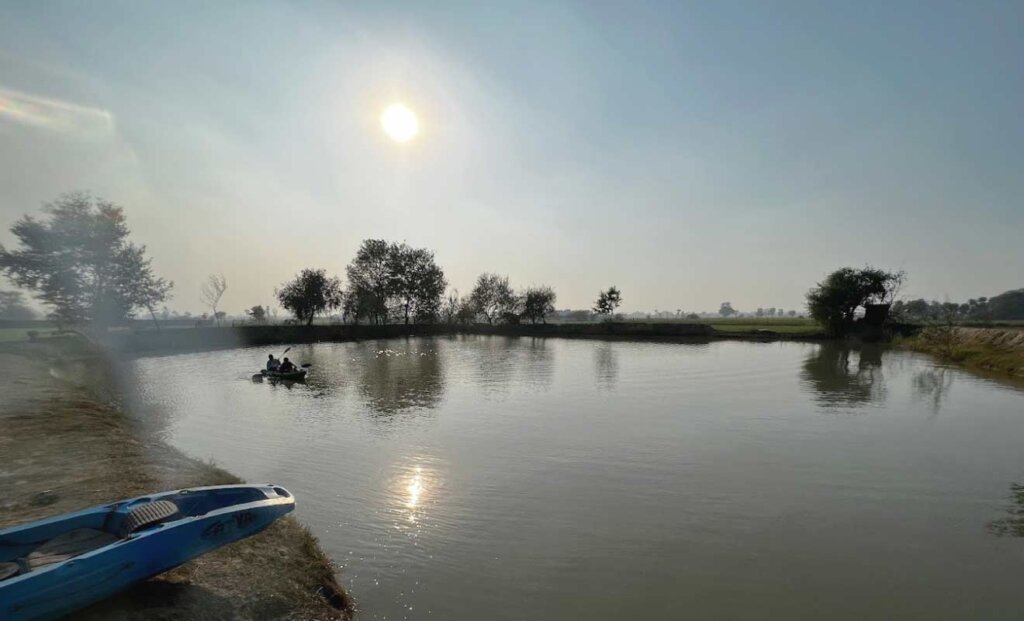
x,y
390,282
78,261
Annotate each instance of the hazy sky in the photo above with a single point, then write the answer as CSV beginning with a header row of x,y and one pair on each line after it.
x,y
689,153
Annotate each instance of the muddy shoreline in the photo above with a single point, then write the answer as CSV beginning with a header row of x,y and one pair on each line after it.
x,y
68,442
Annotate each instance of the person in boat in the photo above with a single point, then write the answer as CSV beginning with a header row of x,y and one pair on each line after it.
x,y
273,364
286,366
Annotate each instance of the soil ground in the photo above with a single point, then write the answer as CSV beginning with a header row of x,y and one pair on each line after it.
x,y
65,445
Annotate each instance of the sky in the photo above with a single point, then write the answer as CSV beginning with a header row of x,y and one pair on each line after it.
x,y
688,153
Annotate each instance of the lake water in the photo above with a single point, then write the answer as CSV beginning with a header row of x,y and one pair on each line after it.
x,y
517,478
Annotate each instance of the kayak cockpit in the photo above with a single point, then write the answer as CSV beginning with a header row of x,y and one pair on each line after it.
x,y
61,539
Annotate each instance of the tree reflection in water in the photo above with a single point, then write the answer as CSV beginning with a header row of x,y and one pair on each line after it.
x,y
504,362
1013,524
400,376
606,362
844,376
933,386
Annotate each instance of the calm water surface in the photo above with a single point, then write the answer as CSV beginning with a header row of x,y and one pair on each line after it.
x,y
500,478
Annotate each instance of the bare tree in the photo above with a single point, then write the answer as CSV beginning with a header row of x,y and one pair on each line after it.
x,y
212,291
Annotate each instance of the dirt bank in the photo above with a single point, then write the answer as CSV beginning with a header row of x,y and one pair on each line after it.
x,y
990,349
64,445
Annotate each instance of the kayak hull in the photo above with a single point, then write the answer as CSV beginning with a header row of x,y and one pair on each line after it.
x,y
207,518
294,376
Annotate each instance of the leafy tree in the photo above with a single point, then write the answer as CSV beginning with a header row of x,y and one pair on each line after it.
x,y
387,278
607,302
493,297
835,300
212,291
312,293
13,306
416,283
538,303
726,309
1007,305
257,313
370,281
79,262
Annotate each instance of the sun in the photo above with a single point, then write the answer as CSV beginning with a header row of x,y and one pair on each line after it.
x,y
399,122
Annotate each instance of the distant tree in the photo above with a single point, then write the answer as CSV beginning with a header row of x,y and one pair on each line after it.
x,y
760,312
791,313
450,306
835,300
13,306
467,312
1007,306
388,279
726,309
693,316
220,315
577,315
80,264
212,291
370,280
257,313
415,282
538,303
493,297
312,293
607,302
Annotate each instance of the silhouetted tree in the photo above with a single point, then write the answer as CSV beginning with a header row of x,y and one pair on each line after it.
x,y
726,309
416,282
467,311
538,303
493,297
312,293
257,313
387,278
370,281
212,291
450,306
79,262
835,300
1008,305
607,302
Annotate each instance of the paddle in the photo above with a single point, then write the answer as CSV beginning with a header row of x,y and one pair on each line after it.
x,y
306,365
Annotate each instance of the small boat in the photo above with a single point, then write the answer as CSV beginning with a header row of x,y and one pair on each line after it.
x,y
292,376
54,566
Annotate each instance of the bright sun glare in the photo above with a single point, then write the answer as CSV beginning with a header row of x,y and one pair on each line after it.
x,y
399,122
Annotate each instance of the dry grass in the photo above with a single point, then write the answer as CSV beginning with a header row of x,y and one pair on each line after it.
x,y
999,350
65,446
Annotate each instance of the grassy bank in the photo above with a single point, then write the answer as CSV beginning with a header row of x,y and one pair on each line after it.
x,y
989,349
65,445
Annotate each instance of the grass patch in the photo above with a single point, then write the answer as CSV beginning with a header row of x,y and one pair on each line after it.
x,y
962,347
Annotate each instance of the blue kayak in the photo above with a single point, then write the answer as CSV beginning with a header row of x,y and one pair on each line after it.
x,y
54,566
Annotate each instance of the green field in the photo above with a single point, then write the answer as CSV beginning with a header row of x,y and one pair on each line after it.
x,y
807,327
8,335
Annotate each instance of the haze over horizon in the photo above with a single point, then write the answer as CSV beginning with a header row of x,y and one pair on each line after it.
x,y
689,154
